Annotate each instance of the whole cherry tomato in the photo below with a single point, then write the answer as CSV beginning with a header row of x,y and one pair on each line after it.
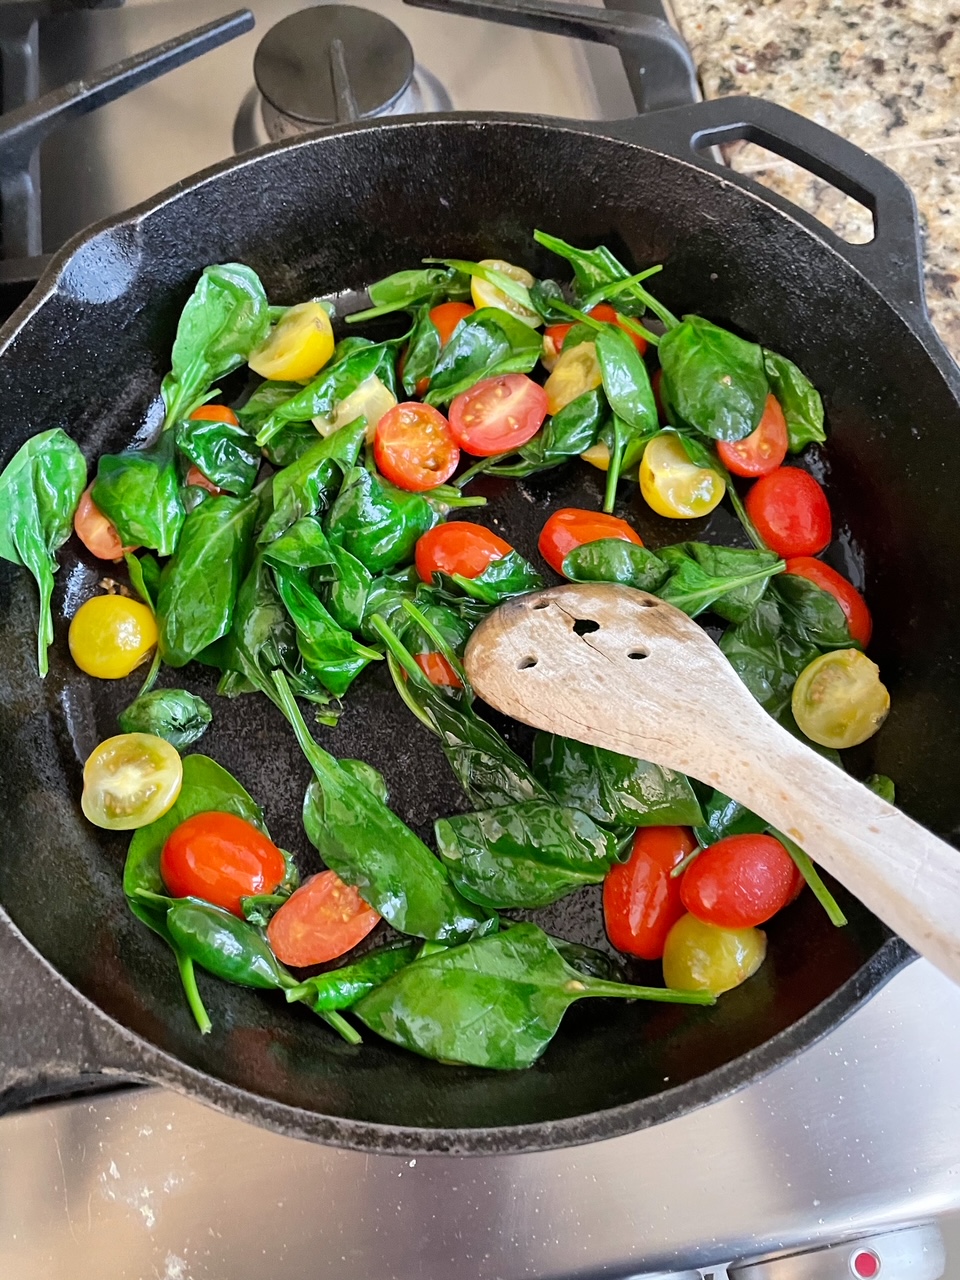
x,y
458,547
641,900
447,316
571,527
220,858
97,533
739,882
844,592
791,512
763,450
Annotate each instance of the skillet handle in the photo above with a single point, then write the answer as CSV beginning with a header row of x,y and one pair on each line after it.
x,y
892,261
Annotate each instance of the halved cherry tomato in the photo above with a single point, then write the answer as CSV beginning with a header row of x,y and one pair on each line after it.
x,y
458,547
673,485
845,593
319,921
570,527
130,780
603,311
220,858
97,533
447,316
576,371
641,901
839,699
488,295
414,447
739,882
215,413
297,347
701,957
498,415
763,450
438,670
196,477
791,512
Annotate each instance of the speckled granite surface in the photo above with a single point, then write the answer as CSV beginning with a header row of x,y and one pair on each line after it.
x,y
884,73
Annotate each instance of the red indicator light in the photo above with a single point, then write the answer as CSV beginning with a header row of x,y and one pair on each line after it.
x,y
865,1264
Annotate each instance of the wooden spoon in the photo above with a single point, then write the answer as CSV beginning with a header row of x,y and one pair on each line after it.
x,y
621,669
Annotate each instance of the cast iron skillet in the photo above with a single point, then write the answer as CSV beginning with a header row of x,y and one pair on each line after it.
x,y
89,995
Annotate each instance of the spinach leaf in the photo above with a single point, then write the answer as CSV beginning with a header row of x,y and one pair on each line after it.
x,y
346,595
523,855
495,1002
262,401
225,318
515,290
588,960
139,490
613,788
226,455
628,391
765,656
812,614
799,400
144,574
229,948
377,523
423,350
369,847
198,588
728,580
544,295
333,383
724,817
595,270
882,786
614,560
40,489
303,546
485,344
406,289
307,485
174,714
370,777
510,575
329,653
713,380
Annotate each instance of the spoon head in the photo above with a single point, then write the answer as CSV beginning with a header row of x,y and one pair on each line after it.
x,y
613,667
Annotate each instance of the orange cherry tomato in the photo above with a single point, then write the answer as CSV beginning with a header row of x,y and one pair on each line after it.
x,y
498,415
570,527
196,477
641,900
763,450
458,547
739,882
319,921
845,593
414,447
447,316
791,512
220,858
603,311
215,413
97,533
438,670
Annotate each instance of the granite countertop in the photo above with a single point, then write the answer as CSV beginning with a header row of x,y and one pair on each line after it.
x,y
883,73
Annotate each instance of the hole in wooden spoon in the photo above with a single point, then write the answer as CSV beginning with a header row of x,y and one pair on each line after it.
x,y
649,604
584,626
637,653
525,663
542,604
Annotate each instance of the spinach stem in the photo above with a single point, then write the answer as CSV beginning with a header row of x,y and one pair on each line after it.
x,y
604,292
812,877
479,468
681,867
613,467
583,318
665,995
443,646
741,512
318,759
342,1027
151,676
189,979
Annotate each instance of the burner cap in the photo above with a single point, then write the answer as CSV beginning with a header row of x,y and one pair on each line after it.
x,y
294,65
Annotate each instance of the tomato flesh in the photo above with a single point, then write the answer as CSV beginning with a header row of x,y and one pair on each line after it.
x,y
130,780
414,447
438,670
498,415
791,512
97,533
854,607
447,316
763,450
739,882
458,547
321,920
220,858
571,527
641,900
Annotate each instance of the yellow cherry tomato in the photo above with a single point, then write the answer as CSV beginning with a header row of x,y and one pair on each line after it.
x,y
488,295
839,699
704,957
111,635
130,781
672,485
577,370
370,400
297,347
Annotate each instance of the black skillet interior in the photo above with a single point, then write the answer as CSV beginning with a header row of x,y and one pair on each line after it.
x,y
334,213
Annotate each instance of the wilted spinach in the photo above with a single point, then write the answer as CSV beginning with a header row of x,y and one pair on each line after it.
x,y
615,560
485,344
767,656
335,381
714,381
139,490
174,714
799,400
308,485
728,580
329,653
226,455
423,351
405,290
377,523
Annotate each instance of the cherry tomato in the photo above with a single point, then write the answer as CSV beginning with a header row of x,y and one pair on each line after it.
x,y
553,340
701,957
763,450
371,400
845,593
111,635
438,670
447,316
319,921
130,780
97,533
739,882
839,699
215,413
675,487
414,447
570,527
791,512
498,415
576,371
220,858
603,311
421,388
641,901
458,547
488,295
196,477
297,347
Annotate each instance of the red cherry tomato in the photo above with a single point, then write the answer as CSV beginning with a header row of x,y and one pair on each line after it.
x,y
603,311
438,670
319,921
196,477
739,882
791,512
763,450
845,593
498,415
641,901
97,533
215,413
570,527
458,547
414,448
447,316
220,858
554,336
